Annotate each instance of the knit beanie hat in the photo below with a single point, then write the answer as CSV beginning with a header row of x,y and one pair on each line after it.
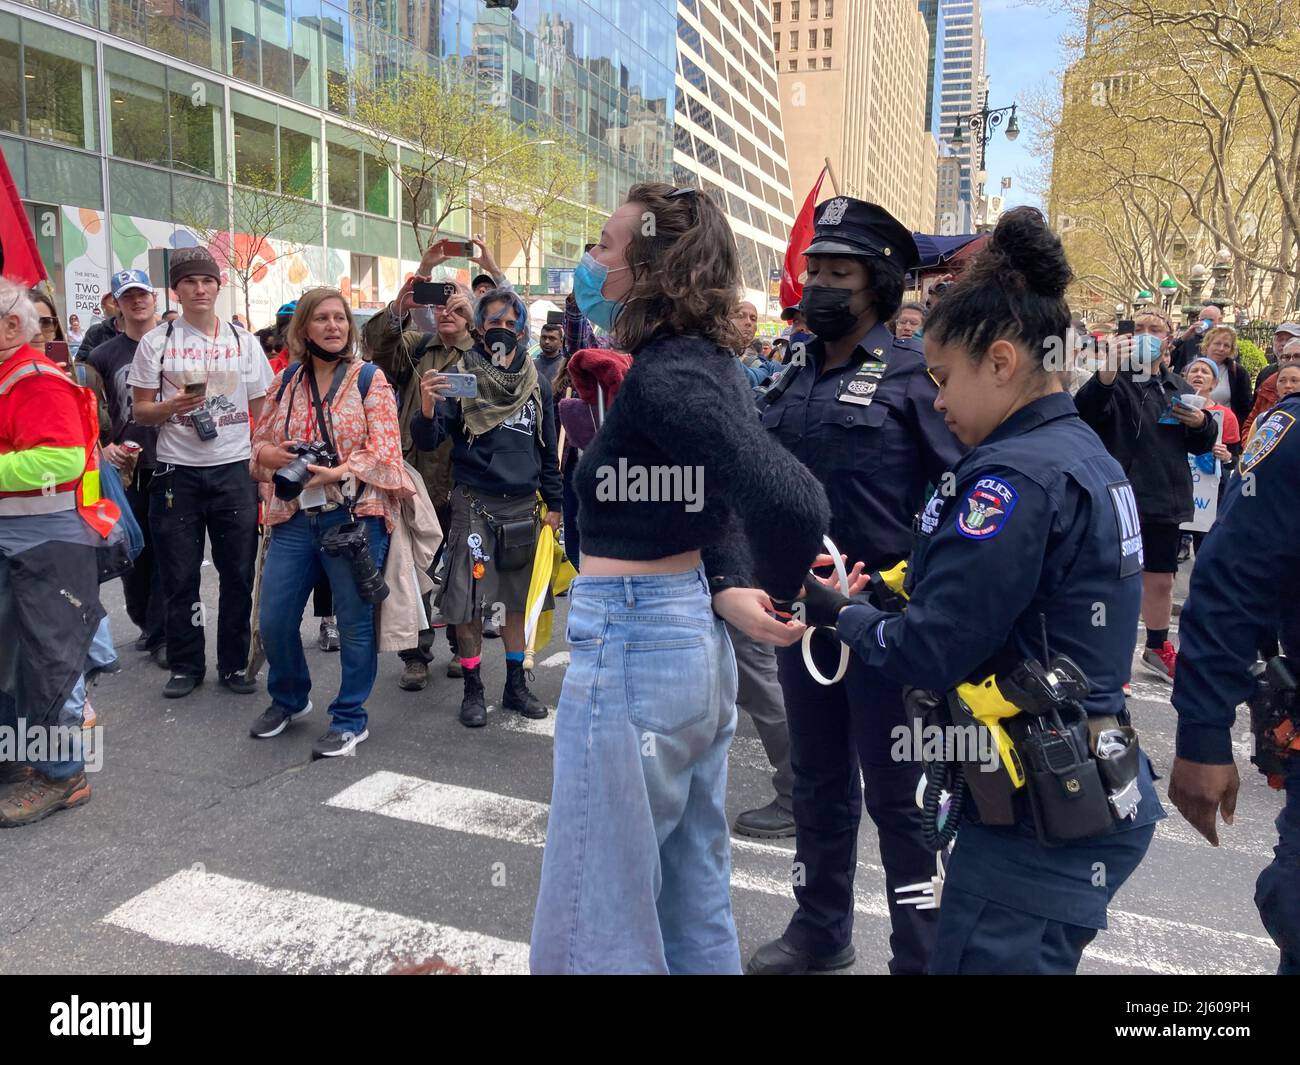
x,y
192,262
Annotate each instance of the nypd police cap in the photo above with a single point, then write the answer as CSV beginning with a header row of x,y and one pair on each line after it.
x,y
845,226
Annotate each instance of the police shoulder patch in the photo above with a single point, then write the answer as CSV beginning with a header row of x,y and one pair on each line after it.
x,y
1264,440
986,508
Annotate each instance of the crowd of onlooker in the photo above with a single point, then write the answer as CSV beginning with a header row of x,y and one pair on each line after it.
x,y
396,471
396,475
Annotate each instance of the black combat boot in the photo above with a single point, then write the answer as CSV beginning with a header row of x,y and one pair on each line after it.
x,y
473,710
517,696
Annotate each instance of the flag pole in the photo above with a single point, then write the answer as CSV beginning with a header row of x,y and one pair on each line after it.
x,y
831,173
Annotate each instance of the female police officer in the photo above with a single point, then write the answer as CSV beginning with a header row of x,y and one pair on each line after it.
x,y
1039,542
857,408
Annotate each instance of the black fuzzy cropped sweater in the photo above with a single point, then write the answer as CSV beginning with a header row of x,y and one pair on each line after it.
x,y
682,463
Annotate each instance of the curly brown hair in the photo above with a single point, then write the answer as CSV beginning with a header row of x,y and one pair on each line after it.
x,y
685,269
295,335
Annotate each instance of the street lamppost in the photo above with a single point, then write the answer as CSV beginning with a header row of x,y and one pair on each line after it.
x,y
1168,293
982,124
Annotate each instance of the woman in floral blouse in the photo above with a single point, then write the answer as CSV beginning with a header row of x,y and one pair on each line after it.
x,y
324,383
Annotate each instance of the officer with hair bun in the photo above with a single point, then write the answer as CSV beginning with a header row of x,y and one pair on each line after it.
x,y
856,407
1039,544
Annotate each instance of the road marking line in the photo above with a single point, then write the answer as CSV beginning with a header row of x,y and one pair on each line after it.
x,y
1133,940
447,806
296,932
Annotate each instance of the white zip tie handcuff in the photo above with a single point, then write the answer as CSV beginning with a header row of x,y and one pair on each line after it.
x,y
808,662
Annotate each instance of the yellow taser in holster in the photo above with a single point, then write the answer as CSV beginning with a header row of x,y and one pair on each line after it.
x,y
985,702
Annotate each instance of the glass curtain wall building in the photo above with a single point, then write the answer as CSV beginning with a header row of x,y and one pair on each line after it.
x,y
123,120
727,131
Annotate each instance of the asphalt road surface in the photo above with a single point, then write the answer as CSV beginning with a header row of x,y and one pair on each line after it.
x,y
203,850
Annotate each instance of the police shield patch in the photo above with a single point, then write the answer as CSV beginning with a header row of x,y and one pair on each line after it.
x,y
1265,439
986,508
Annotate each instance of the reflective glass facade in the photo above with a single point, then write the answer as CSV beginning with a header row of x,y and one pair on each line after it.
x,y
146,109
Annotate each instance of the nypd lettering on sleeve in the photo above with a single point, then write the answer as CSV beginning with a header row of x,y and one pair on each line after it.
x,y
930,516
986,508
1128,527
1264,440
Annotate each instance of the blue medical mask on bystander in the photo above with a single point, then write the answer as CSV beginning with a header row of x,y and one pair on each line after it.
x,y
1146,349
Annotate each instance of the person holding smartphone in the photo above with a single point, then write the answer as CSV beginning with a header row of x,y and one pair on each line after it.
x,y
503,452
1132,404
201,381
408,340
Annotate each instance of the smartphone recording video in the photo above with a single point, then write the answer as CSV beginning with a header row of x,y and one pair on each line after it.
x,y
432,293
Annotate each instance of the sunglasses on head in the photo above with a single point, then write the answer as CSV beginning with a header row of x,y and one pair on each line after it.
x,y
690,196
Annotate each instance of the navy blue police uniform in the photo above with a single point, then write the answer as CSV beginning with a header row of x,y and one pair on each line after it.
x,y
869,432
1242,592
1041,529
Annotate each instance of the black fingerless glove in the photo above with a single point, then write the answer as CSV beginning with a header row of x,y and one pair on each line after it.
x,y
821,605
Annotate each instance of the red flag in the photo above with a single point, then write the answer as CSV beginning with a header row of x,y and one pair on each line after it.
x,y
792,270
19,259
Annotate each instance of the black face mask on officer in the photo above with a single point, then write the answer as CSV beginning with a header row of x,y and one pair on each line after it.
x,y
827,310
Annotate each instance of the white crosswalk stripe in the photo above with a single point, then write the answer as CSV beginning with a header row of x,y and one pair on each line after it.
x,y
295,932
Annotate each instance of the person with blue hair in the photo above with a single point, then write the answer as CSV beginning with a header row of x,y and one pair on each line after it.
x,y
503,453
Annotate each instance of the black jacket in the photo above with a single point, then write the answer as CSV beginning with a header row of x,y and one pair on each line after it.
x,y
508,460
1126,415
99,333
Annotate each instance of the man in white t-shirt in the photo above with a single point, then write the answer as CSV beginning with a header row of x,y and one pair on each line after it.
x,y
202,381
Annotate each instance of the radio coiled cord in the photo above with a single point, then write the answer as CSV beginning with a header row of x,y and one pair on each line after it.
x,y
941,777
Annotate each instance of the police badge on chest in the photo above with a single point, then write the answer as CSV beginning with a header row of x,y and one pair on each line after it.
x,y
860,389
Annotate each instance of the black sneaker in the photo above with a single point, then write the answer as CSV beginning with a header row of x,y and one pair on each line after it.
x,y
159,656
473,709
491,631
273,720
180,685
328,640
517,697
334,744
142,642
238,682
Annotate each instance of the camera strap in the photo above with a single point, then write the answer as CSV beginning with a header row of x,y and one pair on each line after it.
x,y
319,405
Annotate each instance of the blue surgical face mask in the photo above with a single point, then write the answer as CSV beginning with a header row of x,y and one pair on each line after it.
x,y
588,292
1146,349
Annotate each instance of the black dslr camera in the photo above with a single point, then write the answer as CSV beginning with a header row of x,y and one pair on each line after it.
x,y
290,480
348,541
